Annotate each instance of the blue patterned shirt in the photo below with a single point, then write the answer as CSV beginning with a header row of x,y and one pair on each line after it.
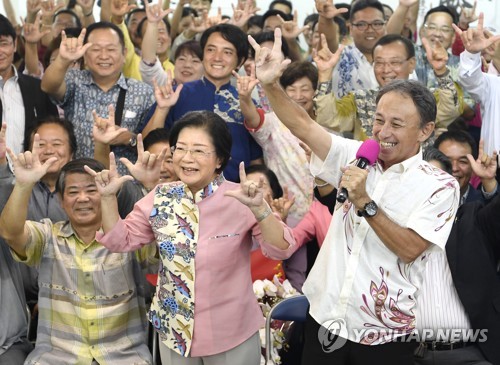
x,y
83,95
353,72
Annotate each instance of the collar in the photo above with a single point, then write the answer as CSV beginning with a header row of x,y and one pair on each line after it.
x,y
210,84
15,77
207,191
463,198
88,80
66,230
405,165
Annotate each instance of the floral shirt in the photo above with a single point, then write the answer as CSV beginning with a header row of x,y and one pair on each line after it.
x,y
83,95
352,72
357,280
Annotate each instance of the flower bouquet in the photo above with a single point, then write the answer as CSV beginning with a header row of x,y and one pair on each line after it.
x,y
268,294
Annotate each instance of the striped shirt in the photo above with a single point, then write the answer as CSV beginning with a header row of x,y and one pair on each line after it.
x,y
91,301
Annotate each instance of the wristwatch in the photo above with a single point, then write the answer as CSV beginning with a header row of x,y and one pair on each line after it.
x,y
370,210
133,141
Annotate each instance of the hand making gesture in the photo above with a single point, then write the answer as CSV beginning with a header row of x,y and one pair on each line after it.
x,y
326,60
147,168
109,181
436,55
474,39
269,63
72,49
27,166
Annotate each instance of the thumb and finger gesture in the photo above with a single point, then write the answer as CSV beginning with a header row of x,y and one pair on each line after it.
x,y
485,166
474,39
250,193
72,49
246,84
109,181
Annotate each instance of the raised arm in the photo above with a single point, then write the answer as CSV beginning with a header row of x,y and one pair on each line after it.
x,y
88,11
245,86
327,11
154,14
485,167
29,170
71,50
32,36
270,64
396,23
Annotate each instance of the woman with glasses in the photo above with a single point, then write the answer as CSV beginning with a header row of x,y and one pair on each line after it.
x,y
204,308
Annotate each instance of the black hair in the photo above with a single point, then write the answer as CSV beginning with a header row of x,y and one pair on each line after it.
x,y
188,11
215,127
256,20
364,4
433,154
132,12
268,37
297,70
393,38
233,35
341,22
443,9
52,119
347,15
422,98
271,178
191,47
69,12
6,28
385,6
311,18
282,2
458,136
76,167
104,25
143,21
274,12
55,44
159,135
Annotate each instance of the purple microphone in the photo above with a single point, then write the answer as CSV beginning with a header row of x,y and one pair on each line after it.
x,y
366,155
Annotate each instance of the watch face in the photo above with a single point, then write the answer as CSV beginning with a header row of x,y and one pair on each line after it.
x,y
371,209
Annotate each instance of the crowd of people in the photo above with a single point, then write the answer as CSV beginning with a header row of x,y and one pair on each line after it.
x,y
157,138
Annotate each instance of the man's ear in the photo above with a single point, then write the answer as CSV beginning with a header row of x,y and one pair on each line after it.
x,y
426,131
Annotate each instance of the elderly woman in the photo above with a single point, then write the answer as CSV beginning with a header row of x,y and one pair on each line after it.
x,y
204,308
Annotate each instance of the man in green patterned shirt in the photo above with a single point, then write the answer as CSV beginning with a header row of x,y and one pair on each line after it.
x,y
91,301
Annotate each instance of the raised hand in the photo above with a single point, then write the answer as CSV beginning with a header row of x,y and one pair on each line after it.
x,y
467,16
50,7
105,130
31,32
408,3
33,7
291,29
436,55
282,205
165,95
147,168
324,58
250,193
120,8
72,49
241,15
155,12
199,23
27,166
269,63
327,9
3,145
245,84
86,5
109,181
485,166
217,19
474,39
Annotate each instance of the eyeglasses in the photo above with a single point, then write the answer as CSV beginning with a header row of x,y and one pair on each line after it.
x,y
434,28
362,26
197,154
393,64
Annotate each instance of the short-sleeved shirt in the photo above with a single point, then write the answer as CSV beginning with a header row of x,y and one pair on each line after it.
x,y
91,301
353,72
203,95
83,95
356,278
